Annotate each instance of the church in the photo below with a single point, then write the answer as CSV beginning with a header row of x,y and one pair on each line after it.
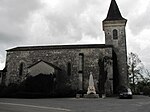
x,y
107,62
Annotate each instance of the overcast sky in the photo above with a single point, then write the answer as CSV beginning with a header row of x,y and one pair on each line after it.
x,y
46,22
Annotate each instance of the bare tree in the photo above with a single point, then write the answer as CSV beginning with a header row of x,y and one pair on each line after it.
x,y
147,76
147,73
135,68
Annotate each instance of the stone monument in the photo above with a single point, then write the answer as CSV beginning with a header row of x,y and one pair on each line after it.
x,y
91,93
91,87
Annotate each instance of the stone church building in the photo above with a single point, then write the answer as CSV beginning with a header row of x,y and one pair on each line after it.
x,y
107,62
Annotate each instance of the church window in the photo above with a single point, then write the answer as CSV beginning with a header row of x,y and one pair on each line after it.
x,y
81,69
81,59
115,34
21,68
69,69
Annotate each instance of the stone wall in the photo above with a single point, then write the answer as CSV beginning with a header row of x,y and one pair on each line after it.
x,y
60,58
119,46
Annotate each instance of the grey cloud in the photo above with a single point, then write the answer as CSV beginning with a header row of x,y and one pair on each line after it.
x,y
7,38
17,10
74,20
13,15
140,22
145,57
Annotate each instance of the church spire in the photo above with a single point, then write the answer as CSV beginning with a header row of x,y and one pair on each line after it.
x,y
114,12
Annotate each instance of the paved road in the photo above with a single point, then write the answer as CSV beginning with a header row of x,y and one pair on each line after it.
x,y
137,104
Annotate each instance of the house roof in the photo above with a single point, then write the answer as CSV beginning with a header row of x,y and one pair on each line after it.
x,y
50,64
114,12
30,48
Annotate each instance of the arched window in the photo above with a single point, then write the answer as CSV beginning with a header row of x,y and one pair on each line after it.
x,y
115,34
21,68
81,61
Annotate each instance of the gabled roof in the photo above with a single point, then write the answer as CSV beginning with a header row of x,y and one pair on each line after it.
x,y
30,48
50,64
114,12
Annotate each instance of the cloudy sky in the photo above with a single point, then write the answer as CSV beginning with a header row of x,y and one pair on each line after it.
x,y
46,22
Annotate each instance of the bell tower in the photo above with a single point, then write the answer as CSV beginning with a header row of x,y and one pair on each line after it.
x,y
115,35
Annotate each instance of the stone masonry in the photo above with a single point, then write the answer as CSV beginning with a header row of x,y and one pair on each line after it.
x,y
59,56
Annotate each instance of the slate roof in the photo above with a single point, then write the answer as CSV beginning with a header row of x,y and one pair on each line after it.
x,y
114,12
30,48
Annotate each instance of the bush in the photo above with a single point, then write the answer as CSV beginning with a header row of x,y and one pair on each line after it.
x,y
9,90
40,86
146,90
1,88
143,87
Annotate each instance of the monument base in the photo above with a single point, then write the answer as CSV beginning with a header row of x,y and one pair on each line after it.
x,y
91,96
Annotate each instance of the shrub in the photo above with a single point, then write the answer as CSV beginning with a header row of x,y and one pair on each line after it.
x,y
9,91
40,86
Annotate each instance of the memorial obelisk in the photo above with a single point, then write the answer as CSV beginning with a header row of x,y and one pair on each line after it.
x,y
91,93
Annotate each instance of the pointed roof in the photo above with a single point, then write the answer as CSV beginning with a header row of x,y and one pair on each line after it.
x,y
50,64
114,12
